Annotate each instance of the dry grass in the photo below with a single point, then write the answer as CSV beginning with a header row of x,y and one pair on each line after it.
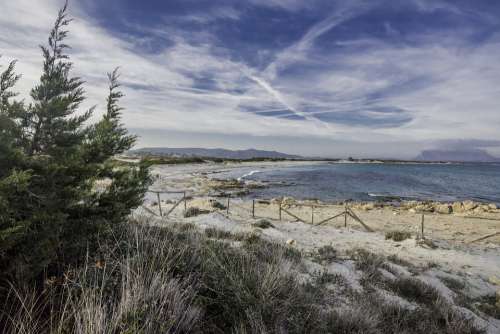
x,y
178,280
397,235
194,211
263,223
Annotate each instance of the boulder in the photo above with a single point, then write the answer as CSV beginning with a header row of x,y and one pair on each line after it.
x,y
492,206
485,207
469,205
443,208
368,206
287,201
290,242
457,207
424,208
478,210
409,204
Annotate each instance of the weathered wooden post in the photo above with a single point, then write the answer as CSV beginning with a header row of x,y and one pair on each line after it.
x,y
159,203
227,208
312,214
185,202
345,215
423,218
253,208
280,210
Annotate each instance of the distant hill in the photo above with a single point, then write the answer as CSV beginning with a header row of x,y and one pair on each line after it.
x,y
214,153
472,155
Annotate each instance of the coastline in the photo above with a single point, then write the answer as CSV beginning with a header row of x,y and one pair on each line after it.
x,y
455,221
203,179
449,248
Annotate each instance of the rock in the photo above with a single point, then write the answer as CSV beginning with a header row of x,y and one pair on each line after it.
x,y
409,204
368,206
443,208
485,207
419,208
412,210
469,205
478,210
424,208
287,201
290,242
275,201
457,207
426,243
492,206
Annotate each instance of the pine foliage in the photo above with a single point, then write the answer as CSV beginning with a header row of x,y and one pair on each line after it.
x,y
60,188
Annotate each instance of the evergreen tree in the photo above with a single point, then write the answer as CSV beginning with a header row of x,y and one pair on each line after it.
x,y
51,210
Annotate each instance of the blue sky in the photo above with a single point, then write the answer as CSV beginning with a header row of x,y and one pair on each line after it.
x,y
334,78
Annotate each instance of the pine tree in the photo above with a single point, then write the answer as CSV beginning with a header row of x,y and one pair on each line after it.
x,y
51,212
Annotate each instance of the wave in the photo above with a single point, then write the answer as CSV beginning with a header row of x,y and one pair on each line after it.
x,y
248,174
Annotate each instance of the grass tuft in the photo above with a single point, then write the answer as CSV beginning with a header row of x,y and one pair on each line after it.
x,y
397,235
194,211
263,223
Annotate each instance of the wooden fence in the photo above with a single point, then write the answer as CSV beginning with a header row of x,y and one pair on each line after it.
x,y
159,202
283,210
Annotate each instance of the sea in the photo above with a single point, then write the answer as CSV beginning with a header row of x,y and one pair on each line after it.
x,y
444,182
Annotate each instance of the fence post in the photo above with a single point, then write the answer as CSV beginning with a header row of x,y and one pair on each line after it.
x,y
185,203
423,226
345,215
253,208
227,209
280,210
159,203
312,214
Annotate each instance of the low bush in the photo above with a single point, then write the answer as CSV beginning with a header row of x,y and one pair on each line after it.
x,y
213,232
218,205
176,280
397,235
263,223
452,283
325,254
415,290
194,211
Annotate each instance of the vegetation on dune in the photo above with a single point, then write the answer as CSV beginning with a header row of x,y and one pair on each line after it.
x,y
178,280
397,235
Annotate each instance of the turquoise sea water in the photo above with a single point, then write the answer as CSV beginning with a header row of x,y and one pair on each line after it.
x,y
372,181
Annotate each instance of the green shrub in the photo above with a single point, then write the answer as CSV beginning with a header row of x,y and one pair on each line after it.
x,y
194,211
397,235
325,254
59,186
213,232
415,290
218,205
263,223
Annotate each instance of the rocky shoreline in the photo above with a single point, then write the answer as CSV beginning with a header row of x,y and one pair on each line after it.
x,y
238,188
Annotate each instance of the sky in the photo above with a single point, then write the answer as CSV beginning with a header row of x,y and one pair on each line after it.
x,y
361,78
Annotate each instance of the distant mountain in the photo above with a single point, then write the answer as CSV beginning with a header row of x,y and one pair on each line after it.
x,y
214,153
469,155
